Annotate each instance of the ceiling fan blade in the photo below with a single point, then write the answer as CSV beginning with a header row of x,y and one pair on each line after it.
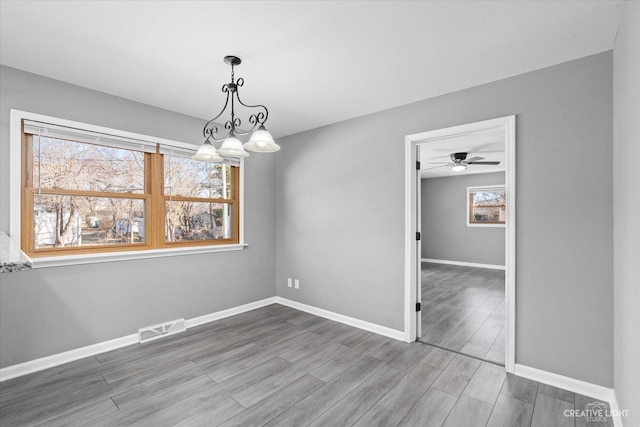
x,y
483,163
436,167
439,163
473,159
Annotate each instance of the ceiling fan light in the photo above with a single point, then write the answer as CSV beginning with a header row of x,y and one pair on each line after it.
x,y
458,167
207,153
261,142
232,147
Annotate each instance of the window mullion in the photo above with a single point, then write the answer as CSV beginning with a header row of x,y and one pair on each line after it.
x,y
156,208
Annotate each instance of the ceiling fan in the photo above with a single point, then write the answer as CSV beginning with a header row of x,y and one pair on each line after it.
x,y
459,162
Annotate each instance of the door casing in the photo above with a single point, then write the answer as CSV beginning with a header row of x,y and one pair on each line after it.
x,y
506,124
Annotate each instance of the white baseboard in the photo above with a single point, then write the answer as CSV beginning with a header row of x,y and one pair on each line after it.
x,y
36,365
229,312
571,384
351,321
465,264
46,362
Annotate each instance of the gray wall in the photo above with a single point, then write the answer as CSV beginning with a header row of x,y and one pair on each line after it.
x,y
47,311
340,211
445,234
626,205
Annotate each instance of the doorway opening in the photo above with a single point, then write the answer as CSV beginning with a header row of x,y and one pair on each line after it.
x,y
460,258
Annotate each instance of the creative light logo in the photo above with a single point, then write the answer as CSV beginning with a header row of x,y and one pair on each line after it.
x,y
596,412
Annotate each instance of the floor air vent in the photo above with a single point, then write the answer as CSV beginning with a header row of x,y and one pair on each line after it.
x,y
154,332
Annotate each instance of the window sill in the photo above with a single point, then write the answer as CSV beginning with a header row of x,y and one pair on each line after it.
x,y
66,260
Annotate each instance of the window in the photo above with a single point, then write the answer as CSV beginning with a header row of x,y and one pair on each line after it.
x,y
486,206
200,200
86,192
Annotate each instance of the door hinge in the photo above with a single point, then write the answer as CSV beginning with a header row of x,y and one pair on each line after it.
x,y
418,166
418,306
417,235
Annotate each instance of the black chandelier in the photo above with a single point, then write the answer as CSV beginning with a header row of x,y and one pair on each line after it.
x,y
261,140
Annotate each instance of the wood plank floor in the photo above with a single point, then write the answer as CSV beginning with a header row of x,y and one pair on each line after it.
x,y
277,366
463,310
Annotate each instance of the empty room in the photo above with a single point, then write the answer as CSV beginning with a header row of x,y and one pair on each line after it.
x,y
319,213
463,241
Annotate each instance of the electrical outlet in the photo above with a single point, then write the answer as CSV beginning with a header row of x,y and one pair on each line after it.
x,y
289,282
297,284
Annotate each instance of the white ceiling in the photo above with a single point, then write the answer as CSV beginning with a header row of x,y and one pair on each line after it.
x,y
490,145
311,62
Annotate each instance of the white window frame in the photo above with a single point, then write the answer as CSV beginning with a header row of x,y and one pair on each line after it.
x,y
481,188
15,179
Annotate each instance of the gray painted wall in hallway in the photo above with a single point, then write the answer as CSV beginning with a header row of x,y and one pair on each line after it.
x,y
340,211
626,205
445,234
47,311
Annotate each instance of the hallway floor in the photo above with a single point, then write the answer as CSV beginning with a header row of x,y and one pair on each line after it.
x,y
463,310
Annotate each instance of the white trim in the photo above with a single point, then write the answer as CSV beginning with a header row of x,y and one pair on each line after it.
x,y
464,263
60,261
25,115
351,321
510,244
35,365
15,175
507,124
418,255
241,201
201,320
476,189
567,383
15,178
410,248
86,136
46,362
615,410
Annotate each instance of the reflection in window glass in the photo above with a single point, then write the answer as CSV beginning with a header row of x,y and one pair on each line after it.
x,y
74,165
67,221
192,178
197,221
487,206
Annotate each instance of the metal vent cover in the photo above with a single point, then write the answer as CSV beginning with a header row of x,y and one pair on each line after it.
x,y
161,330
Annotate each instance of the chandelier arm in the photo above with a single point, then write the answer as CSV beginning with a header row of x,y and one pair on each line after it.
x,y
255,119
210,128
221,138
